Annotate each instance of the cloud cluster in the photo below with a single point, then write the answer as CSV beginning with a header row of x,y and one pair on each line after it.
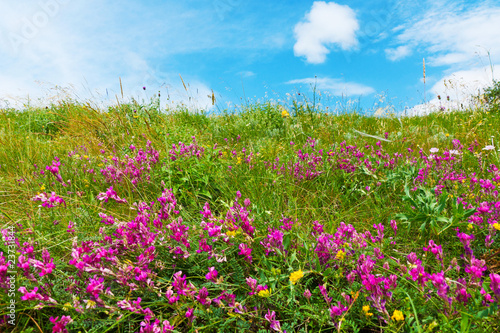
x,y
336,87
325,25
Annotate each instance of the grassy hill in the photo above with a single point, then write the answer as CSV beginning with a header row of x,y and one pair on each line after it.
x,y
270,218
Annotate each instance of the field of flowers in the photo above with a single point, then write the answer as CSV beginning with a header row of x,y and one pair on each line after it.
x,y
270,219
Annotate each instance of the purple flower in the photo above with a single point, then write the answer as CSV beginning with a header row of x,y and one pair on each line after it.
x,y
190,315
212,274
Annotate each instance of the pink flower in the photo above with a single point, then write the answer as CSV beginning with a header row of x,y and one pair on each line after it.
x,y
212,274
60,326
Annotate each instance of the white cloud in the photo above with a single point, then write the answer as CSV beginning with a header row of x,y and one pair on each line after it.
x,y
462,87
454,36
326,24
398,53
336,86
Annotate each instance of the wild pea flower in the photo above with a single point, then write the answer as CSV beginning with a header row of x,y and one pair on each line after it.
x,y
271,318
273,241
212,275
30,295
287,223
380,232
466,240
337,310
495,285
437,250
60,325
245,251
46,266
462,295
190,315
179,283
71,227
252,283
307,294
110,194
317,228
95,286
170,296
439,282
51,201
54,169
324,292
394,226
203,296
476,269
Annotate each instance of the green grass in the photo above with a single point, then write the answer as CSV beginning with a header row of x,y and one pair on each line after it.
x,y
85,138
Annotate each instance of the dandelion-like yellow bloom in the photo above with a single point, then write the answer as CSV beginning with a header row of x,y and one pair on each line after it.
x,y
496,226
366,310
231,233
340,255
265,293
470,226
397,315
296,276
285,113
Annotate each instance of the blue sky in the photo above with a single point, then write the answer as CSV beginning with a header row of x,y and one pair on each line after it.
x,y
367,51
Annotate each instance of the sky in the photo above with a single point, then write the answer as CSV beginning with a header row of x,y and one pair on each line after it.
x,y
364,54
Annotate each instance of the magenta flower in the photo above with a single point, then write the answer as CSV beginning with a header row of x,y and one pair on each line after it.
x,y
60,326
190,315
271,318
245,251
307,294
212,274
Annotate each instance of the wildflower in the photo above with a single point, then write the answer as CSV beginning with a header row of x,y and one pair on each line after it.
x,y
285,113
296,276
434,150
60,326
397,315
271,318
307,294
90,304
212,274
366,310
265,293
489,147
496,226
340,255
189,314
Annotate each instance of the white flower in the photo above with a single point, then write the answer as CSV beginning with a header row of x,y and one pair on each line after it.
x,y
454,152
489,147
434,150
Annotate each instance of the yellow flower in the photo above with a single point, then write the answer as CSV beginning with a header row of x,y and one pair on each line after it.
x,y
85,156
447,134
340,255
470,226
496,226
285,113
90,304
231,233
366,310
67,306
42,188
265,293
397,315
296,276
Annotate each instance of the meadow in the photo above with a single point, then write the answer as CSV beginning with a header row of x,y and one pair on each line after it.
x,y
270,219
